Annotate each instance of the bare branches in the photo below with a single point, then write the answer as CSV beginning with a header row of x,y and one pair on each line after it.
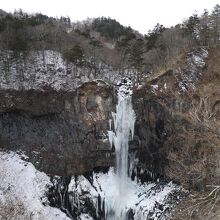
x,y
201,111
207,204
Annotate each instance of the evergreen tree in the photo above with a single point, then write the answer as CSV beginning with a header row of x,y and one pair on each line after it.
x,y
193,28
205,29
110,28
153,36
216,24
136,58
75,55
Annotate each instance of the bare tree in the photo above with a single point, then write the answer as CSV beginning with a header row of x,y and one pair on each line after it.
x,y
201,111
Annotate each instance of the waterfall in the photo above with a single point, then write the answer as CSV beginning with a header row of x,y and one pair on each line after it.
x,y
123,121
114,195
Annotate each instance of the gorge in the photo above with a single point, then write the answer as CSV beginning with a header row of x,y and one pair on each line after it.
x,y
99,122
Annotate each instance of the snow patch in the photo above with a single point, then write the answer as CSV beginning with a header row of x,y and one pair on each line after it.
x,y
23,191
154,88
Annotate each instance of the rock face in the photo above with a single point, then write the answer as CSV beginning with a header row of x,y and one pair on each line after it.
x,y
61,132
178,119
38,70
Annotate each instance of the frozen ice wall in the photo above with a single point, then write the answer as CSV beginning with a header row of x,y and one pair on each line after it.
x,y
124,119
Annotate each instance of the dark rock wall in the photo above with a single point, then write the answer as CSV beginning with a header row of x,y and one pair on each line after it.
x,y
178,126
151,128
61,132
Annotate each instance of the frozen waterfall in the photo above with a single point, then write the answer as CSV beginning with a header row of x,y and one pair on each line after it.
x,y
124,119
114,195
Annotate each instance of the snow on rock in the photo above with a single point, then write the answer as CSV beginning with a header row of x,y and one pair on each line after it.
x,y
85,217
147,201
23,191
154,88
188,77
42,69
197,58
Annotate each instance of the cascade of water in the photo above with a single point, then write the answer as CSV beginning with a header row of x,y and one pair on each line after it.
x,y
113,194
123,120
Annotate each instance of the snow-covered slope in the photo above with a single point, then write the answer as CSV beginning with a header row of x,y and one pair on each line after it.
x,y
22,191
23,194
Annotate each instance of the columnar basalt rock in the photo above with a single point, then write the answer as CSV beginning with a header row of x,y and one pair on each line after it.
x,y
61,132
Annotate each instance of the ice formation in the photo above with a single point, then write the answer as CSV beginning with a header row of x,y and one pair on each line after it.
x,y
124,119
139,201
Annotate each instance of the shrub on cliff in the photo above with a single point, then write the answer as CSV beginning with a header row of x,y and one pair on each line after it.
x,y
75,55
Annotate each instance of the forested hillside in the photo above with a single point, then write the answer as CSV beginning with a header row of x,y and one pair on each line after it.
x,y
92,41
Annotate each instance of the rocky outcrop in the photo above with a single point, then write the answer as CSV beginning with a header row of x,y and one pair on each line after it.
x,y
62,132
177,123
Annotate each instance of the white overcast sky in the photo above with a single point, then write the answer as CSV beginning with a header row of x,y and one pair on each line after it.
x,y
141,15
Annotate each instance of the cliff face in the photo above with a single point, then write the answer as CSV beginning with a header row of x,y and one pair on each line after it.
x,y
61,132
178,119
63,129
41,70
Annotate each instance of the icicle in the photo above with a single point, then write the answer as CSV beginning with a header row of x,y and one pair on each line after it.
x,y
111,137
110,124
97,208
77,201
114,118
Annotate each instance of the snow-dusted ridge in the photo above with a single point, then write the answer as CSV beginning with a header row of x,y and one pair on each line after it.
x,y
40,70
186,76
195,64
23,191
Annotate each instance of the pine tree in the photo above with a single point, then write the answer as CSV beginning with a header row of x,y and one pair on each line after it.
x,y
75,55
136,57
153,36
216,24
204,28
193,28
